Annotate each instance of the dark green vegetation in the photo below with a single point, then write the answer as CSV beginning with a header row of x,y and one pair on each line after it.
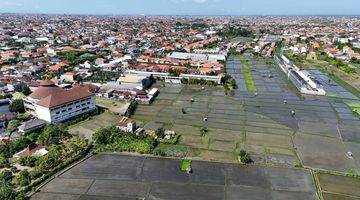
x,y
114,139
228,82
245,157
64,149
336,63
235,32
23,88
76,58
17,105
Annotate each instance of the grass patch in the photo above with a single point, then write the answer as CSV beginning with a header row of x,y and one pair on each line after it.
x,y
107,103
185,164
354,106
250,84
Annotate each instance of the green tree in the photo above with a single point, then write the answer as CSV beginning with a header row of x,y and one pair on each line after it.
x,y
70,56
28,161
17,105
13,124
19,144
77,144
4,162
51,159
52,134
6,176
101,136
6,192
25,89
245,157
23,178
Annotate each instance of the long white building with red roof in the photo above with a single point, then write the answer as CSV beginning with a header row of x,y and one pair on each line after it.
x,y
55,104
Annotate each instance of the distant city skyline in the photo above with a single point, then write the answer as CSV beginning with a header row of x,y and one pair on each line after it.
x,y
183,7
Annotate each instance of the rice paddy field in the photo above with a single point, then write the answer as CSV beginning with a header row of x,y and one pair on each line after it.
x,y
314,154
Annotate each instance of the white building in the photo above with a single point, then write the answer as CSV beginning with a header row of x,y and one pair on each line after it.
x,y
54,104
197,57
127,125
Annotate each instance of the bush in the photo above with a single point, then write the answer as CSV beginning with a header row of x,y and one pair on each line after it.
x,y
6,176
113,139
23,116
172,140
28,161
52,134
17,105
23,179
245,157
13,124
6,192
4,162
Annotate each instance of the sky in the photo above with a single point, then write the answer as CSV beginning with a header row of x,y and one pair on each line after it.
x,y
183,7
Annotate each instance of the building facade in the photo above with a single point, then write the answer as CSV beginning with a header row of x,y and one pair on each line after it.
x,y
54,104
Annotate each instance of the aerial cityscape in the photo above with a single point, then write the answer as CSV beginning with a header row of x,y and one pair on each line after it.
x,y
180,99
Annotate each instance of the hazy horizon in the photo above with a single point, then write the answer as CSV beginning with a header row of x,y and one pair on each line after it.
x,y
185,7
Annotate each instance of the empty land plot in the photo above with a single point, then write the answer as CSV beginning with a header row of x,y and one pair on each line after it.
x,y
89,127
115,176
339,187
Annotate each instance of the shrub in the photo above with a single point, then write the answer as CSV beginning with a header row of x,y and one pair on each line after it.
x,y
203,131
23,179
28,161
4,162
245,157
17,105
113,139
172,140
6,192
6,176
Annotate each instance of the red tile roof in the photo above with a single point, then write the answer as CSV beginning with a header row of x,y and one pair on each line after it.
x,y
51,97
30,150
